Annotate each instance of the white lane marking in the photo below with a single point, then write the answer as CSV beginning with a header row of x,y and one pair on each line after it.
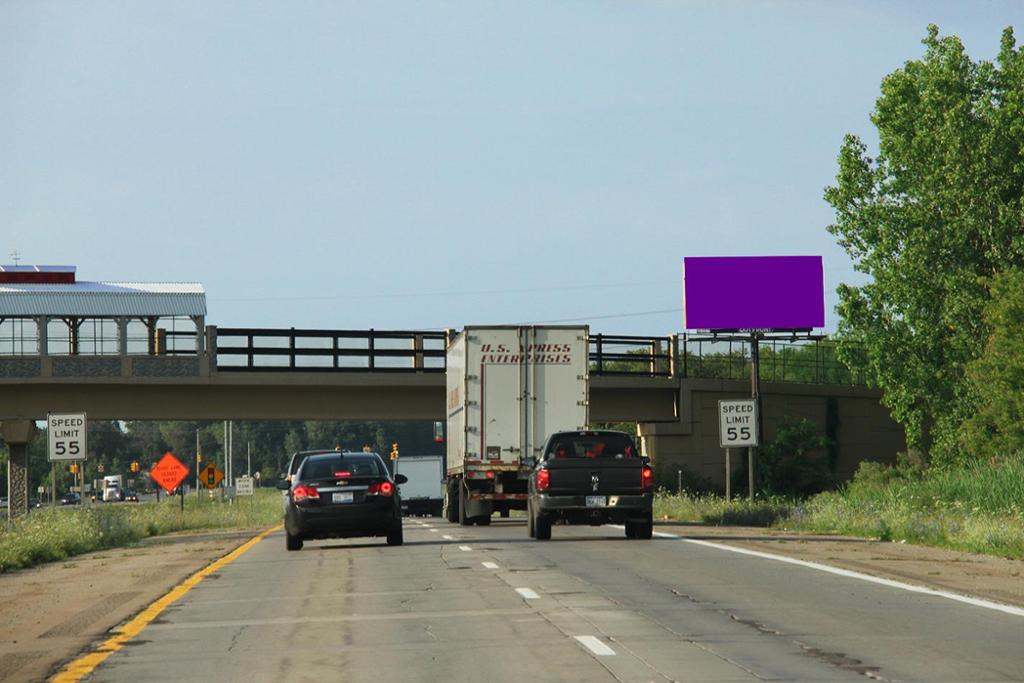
x,y
977,602
489,565
448,538
465,548
595,645
432,530
528,593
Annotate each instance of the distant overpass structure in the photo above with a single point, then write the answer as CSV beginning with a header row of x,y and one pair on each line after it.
x,y
143,351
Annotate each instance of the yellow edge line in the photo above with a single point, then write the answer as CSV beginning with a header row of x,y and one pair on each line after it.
x,y
83,666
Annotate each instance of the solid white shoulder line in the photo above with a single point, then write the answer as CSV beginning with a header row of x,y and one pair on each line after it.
x,y
595,645
977,602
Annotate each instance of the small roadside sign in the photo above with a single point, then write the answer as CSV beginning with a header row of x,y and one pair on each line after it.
x,y
168,472
737,423
243,486
66,436
210,476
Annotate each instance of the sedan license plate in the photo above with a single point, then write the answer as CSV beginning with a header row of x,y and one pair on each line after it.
x,y
345,497
596,501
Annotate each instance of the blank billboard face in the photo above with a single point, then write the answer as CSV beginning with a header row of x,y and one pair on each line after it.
x,y
753,292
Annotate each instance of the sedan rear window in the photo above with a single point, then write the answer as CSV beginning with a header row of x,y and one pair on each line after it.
x,y
340,466
591,445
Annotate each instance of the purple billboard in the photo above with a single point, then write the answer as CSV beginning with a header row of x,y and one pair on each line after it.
x,y
753,293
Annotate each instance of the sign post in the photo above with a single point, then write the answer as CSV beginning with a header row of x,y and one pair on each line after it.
x,y
738,427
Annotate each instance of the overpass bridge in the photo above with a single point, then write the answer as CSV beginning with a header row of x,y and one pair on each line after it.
x,y
143,351
290,374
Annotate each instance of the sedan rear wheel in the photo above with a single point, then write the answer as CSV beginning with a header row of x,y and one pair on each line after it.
x,y
395,536
292,542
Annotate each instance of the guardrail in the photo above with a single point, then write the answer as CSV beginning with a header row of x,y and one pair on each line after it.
x,y
289,350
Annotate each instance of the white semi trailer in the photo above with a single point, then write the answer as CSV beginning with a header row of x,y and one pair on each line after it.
x,y
508,388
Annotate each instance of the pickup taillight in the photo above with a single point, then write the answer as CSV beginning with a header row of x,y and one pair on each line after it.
x,y
303,492
543,480
647,477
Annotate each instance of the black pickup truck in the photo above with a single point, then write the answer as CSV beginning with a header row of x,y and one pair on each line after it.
x,y
591,477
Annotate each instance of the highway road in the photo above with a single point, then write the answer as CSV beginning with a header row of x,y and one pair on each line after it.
x,y
488,604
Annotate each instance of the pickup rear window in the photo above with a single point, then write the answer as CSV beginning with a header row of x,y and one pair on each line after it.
x,y
591,446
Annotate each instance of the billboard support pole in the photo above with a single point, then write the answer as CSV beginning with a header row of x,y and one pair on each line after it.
x,y
755,393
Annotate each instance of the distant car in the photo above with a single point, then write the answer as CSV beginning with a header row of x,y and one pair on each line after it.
x,y
342,495
34,503
70,499
131,496
3,502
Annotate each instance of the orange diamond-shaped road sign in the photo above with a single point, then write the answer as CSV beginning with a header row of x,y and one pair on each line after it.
x,y
210,476
168,472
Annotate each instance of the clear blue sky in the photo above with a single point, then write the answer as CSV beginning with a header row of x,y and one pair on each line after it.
x,y
437,164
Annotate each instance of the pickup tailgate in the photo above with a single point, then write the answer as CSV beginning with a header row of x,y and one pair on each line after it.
x,y
609,476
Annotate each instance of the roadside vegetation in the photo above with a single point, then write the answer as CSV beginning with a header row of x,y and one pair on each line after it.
x,y
51,534
977,507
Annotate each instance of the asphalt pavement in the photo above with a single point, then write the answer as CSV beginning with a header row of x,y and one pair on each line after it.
x,y
487,603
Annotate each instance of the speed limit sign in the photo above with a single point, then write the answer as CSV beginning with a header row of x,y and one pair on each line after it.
x,y
66,435
737,423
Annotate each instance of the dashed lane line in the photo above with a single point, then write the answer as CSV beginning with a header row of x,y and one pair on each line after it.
x,y
489,565
595,646
465,548
528,593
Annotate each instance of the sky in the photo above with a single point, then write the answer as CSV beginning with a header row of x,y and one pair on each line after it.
x,y
429,165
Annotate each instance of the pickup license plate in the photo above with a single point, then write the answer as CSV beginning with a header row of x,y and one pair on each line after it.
x,y
345,497
596,501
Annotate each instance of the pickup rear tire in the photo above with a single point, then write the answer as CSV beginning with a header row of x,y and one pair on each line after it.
x,y
292,542
542,527
644,530
630,530
529,519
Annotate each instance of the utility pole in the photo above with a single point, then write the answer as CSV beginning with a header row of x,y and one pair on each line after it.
x,y
248,458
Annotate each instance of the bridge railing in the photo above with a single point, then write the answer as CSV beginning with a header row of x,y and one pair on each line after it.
x,y
289,350
813,361
632,356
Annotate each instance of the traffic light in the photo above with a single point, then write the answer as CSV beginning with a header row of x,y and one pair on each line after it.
x,y
135,466
73,468
394,451
101,468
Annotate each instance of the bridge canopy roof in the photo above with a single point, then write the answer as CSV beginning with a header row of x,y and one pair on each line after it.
x,y
102,299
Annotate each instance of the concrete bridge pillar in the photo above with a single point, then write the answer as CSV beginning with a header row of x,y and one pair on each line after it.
x,y
17,435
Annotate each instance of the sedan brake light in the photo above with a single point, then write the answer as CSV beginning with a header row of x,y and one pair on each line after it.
x,y
543,480
647,477
303,492
384,488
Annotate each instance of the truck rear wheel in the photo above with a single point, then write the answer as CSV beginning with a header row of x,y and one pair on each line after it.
x,y
463,519
451,502
483,520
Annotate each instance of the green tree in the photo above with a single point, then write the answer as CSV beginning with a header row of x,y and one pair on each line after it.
x,y
939,207
796,462
997,429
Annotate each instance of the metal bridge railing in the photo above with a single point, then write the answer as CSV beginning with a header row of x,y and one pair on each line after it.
x,y
812,361
284,350
633,356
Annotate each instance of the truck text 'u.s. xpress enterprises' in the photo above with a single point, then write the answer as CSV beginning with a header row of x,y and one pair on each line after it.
x,y
508,388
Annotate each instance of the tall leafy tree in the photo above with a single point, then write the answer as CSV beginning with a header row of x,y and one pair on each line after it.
x,y
937,209
997,429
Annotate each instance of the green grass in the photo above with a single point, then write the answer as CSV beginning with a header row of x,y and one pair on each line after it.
x,y
53,534
977,508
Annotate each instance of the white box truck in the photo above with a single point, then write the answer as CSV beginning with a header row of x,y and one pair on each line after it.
x,y
508,388
423,494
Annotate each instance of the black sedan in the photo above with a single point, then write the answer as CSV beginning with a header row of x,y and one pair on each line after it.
x,y
342,495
